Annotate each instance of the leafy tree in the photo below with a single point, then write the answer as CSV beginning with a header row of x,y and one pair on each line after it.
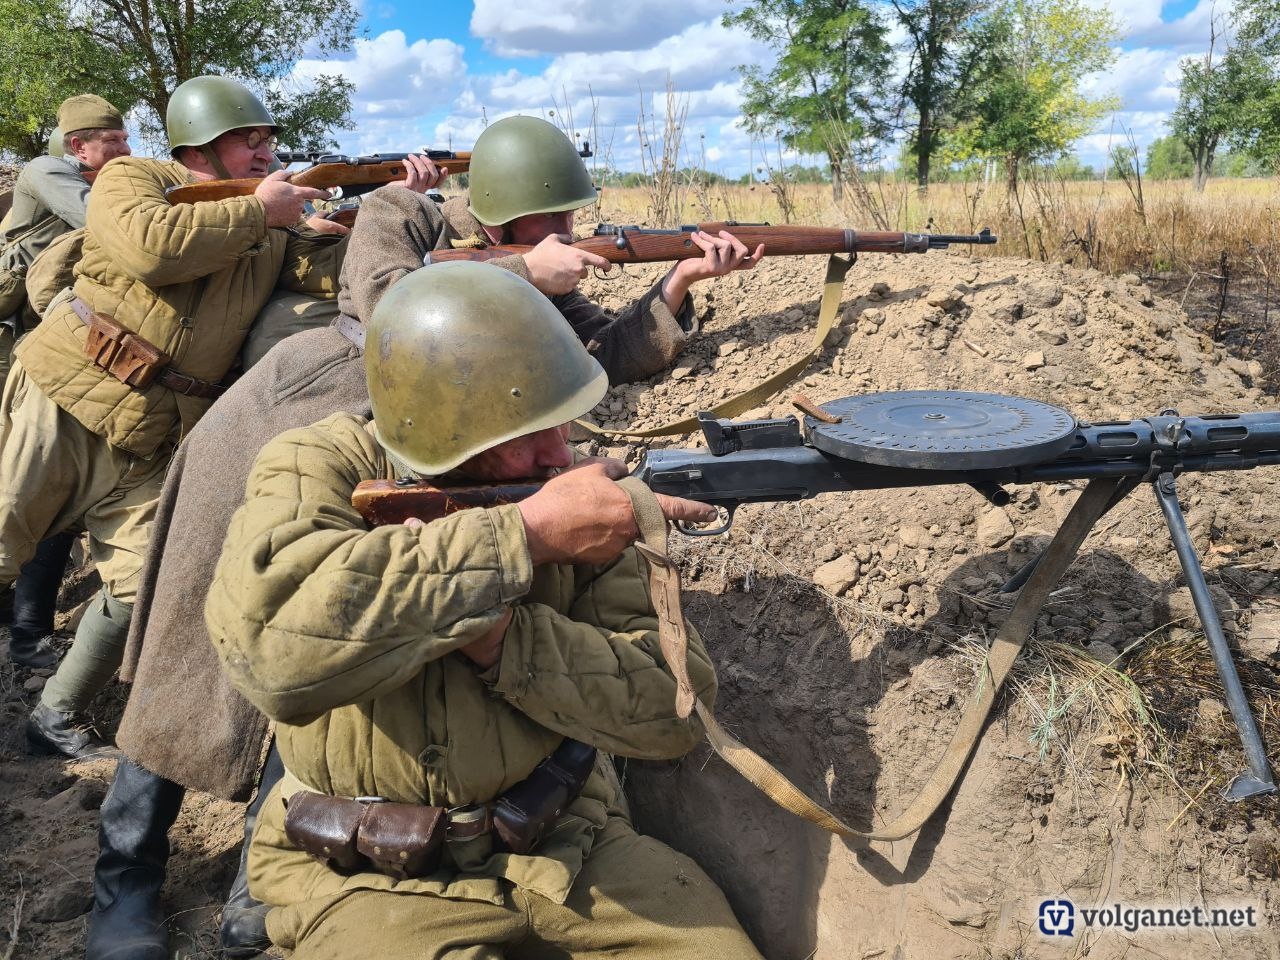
x,y
1255,82
135,52
1168,158
42,62
1032,108
949,44
824,95
1209,95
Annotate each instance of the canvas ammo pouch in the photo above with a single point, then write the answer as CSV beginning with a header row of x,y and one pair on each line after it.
x,y
402,840
13,269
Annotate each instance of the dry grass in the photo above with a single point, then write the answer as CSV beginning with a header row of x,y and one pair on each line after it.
x,y
1085,715
1086,223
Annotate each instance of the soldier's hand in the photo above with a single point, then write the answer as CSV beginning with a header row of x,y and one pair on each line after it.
x,y
421,173
556,267
322,224
283,200
720,255
582,516
486,650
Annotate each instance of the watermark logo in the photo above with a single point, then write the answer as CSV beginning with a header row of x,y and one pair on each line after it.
x,y
1057,918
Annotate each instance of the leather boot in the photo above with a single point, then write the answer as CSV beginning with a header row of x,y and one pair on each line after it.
x,y
244,919
35,599
127,922
51,732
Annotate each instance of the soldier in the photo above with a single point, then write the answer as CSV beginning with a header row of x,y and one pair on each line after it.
x,y
49,200
126,362
526,181
443,667
184,726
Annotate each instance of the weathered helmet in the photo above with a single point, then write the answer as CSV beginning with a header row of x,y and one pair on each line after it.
x,y
462,356
204,108
524,165
55,148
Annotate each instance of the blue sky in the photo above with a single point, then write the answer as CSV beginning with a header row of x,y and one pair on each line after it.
x,y
432,74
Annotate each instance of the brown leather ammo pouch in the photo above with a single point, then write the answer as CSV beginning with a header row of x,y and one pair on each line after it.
x,y
325,827
525,811
122,353
401,840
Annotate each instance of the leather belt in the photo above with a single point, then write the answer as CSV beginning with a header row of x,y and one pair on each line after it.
x,y
166,376
351,328
406,839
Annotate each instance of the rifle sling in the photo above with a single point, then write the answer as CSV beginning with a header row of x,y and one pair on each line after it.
x,y
664,585
736,405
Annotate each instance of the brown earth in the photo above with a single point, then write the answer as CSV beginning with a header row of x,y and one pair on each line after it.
x,y
848,629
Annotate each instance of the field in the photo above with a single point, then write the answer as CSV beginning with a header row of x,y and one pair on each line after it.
x,y
1162,226
1216,253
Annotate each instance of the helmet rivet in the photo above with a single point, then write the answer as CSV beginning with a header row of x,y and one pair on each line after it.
x,y
408,421
515,391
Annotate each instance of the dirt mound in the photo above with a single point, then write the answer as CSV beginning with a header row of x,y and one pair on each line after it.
x,y
848,632
845,630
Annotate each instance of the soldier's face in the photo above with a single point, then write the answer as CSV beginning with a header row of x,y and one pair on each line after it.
x,y
107,145
533,456
246,152
536,227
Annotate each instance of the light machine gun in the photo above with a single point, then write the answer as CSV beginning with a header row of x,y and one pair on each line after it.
x,y
932,438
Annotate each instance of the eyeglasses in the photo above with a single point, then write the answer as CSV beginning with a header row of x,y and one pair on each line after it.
x,y
256,138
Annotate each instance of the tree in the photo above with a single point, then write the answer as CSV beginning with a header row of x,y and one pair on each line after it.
x,y
140,50
1169,159
1207,102
1032,107
1255,82
41,64
825,93
949,43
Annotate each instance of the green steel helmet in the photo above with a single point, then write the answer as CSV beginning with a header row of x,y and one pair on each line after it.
x,y
204,108
462,356
524,165
56,149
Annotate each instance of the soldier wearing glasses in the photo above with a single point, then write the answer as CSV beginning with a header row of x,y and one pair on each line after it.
x,y
132,356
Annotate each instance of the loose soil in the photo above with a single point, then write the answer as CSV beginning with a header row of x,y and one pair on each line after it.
x,y
848,632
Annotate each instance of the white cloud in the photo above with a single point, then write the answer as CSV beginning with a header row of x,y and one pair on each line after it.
x,y
393,78
1143,79
535,27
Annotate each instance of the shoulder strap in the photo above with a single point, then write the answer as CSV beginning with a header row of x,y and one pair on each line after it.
x,y
664,581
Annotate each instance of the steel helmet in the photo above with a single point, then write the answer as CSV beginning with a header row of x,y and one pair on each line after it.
x,y
55,148
462,356
204,108
524,165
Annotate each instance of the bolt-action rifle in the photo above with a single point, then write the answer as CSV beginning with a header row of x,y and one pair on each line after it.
x,y
355,175
930,438
630,244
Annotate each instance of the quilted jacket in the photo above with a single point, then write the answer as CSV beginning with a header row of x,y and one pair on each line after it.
x,y
346,637
190,278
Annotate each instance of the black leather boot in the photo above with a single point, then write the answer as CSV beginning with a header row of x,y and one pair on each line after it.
x,y
51,732
244,919
35,599
127,922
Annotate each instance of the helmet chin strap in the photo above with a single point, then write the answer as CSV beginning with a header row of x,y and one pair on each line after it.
x,y
216,162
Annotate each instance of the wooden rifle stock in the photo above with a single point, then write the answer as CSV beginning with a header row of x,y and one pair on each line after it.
x,y
383,502
322,176
638,245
